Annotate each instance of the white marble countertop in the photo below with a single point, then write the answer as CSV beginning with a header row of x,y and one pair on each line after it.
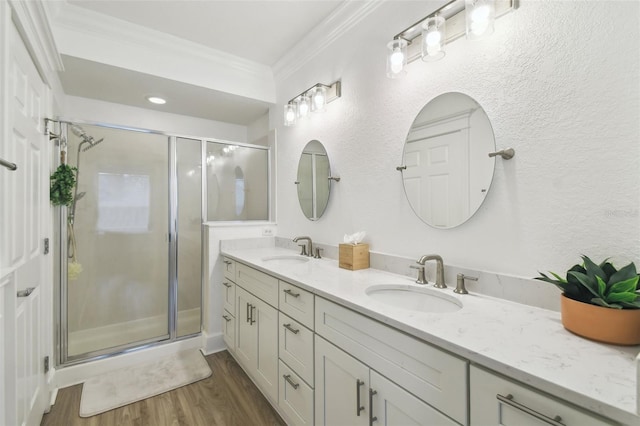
x,y
525,343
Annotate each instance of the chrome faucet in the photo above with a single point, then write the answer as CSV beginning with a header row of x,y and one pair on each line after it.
x,y
309,251
439,268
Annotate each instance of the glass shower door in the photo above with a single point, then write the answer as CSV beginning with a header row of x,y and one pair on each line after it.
x,y
118,250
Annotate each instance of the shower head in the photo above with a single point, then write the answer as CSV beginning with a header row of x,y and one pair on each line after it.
x,y
92,143
79,132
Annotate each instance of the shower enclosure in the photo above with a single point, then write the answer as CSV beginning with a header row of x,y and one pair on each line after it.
x,y
131,241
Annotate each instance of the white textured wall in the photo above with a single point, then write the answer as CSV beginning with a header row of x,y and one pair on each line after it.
x,y
560,83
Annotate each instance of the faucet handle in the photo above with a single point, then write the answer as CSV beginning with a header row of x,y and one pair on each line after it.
x,y
460,289
317,255
421,279
303,249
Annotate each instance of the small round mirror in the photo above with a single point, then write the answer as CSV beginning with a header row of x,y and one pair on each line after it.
x,y
448,169
313,180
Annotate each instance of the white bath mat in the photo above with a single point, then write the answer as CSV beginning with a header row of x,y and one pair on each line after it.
x,y
115,389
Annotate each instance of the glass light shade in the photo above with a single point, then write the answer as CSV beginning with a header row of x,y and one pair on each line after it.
x,y
289,115
480,18
304,106
397,58
433,38
319,99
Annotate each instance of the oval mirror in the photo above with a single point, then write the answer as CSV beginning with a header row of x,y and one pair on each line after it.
x,y
313,180
448,170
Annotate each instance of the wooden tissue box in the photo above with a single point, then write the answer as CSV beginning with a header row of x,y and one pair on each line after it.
x,y
353,256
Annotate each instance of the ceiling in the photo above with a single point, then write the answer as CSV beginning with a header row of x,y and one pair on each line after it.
x,y
261,31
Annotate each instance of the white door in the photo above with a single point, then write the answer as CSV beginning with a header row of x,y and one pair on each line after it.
x,y
25,214
392,405
342,387
436,177
246,333
265,319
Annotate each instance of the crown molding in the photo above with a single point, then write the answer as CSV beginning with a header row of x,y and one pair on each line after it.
x,y
341,20
33,23
83,21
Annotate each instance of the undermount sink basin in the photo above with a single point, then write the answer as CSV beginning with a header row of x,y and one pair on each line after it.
x,y
286,259
414,298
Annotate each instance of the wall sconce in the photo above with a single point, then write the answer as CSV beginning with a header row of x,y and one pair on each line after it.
x,y
314,99
427,38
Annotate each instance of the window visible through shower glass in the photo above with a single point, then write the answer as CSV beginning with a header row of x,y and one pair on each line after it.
x,y
118,275
237,182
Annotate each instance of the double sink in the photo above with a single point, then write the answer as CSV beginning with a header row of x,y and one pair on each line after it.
x,y
413,298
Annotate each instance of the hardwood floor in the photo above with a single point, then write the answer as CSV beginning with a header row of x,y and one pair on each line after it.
x,y
227,397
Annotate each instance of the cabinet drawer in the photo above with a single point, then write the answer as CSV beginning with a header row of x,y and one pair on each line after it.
x,y
229,267
497,400
229,330
260,284
296,397
297,303
229,296
436,377
296,347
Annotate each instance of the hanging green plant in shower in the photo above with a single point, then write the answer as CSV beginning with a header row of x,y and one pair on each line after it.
x,y
62,182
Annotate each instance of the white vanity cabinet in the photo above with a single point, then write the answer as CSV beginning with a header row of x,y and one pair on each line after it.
x,y
349,392
229,304
438,379
257,341
496,400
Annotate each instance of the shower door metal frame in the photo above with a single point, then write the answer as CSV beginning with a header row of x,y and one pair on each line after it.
x,y
61,282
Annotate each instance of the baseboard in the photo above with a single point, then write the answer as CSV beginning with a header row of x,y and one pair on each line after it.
x,y
213,343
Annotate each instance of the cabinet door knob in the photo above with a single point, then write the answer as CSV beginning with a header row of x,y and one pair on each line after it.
x,y
555,421
293,384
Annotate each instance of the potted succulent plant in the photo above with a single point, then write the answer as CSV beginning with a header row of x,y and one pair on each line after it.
x,y
600,302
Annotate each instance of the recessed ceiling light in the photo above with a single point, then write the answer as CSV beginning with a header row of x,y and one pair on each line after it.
x,y
156,100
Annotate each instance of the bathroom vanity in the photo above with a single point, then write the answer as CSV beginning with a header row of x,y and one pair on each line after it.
x,y
325,350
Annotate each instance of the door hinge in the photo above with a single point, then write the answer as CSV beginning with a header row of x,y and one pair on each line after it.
x,y
46,364
46,246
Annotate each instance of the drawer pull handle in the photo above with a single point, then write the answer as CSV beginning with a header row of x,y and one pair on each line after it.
x,y
226,318
26,292
227,262
248,313
293,384
227,285
291,293
358,406
555,421
253,310
371,416
291,329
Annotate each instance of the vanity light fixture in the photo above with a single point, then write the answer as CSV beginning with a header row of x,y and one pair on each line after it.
x,y
426,38
314,99
156,100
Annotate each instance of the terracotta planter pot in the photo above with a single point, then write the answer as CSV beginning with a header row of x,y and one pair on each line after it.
x,y
616,326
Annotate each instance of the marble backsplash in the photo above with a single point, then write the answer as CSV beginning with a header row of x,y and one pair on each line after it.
x,y
516,289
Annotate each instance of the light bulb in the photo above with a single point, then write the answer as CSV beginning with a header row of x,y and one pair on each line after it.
x,y
433,36
303,106
396,60
289,114
319,99
480,18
